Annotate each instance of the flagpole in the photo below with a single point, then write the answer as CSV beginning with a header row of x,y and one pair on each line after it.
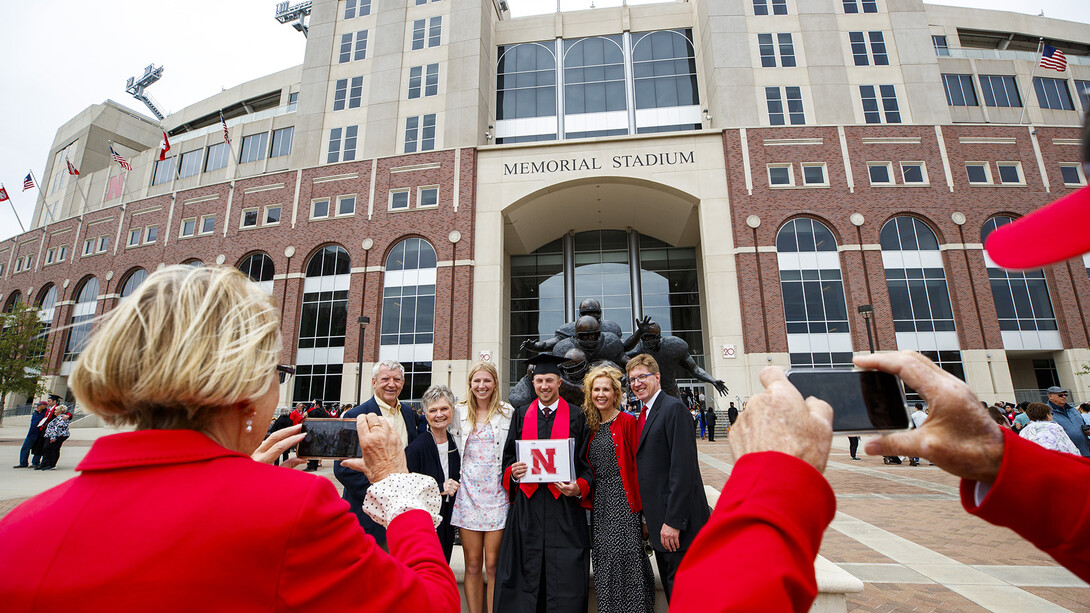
x,y
109,171
12,204
1032,75
83,193
45,205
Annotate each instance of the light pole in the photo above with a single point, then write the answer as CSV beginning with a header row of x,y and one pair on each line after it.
x,y
867,311
362,321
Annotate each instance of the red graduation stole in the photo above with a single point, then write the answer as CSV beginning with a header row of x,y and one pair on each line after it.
x,y
561,429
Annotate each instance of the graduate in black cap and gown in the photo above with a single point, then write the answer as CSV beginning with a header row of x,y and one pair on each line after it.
x,y
544,562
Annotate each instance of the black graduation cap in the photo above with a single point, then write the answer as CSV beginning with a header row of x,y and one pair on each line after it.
x,y
546,363
54,397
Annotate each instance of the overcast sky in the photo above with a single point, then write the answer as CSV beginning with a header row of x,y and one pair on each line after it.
x,y
61,56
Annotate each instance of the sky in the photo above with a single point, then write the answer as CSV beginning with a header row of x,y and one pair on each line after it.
x,y
61,56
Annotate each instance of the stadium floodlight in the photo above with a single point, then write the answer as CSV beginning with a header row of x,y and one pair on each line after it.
x,y
136,87
299,13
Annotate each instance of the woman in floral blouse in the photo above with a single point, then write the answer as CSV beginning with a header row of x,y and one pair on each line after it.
x,y
1045,432
55,435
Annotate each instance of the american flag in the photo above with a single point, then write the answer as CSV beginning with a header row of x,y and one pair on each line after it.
x,y
3,194
71,169
120,160
226,136
1053,58
28,182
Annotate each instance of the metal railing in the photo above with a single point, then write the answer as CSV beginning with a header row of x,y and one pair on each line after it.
x,y
1040,395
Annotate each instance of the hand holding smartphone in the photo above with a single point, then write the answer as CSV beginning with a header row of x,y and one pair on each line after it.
x,y
863,401
329,439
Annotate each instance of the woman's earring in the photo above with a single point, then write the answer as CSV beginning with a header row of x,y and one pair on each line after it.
x,y
249,424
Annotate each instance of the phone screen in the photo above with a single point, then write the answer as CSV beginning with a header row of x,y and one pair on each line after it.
x,y
862,400
330,438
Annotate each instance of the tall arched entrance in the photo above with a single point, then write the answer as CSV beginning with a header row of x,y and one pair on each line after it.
x,y
630,273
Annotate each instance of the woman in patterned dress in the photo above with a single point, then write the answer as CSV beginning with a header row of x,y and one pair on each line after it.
x,y
623,580
1045,432
480,428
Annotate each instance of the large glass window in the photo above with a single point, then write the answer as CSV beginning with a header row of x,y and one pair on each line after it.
x,y
999,90
259,268
664,69
408,312
1053,94
594,81
191,164
815,310
1022,301
217,157
83,312
47,306
777,114
776,50
919,298
420,133
253,147
596,87
133,281
281,141
164,171
322,324
959,90
877,51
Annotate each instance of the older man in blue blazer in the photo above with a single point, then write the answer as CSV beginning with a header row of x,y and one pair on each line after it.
x,y
387,379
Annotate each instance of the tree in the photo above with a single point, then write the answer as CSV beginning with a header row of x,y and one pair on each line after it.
x,y
22,353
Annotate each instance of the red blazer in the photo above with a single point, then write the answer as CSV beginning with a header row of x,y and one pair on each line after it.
x,y
168,520
626,437
771,516
1044,496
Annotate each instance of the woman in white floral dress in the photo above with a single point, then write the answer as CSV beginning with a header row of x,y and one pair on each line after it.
x,y
480,427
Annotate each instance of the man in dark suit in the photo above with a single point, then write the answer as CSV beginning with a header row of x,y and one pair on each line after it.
x,y
709,416
667,468
387,379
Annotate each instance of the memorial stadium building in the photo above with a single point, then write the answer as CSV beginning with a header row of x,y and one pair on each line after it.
x,y
775,181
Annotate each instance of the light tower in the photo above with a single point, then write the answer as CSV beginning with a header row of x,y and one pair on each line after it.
x,y
137,87
300,14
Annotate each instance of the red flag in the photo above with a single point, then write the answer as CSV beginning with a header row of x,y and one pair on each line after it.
x,y
164,146
3,194
71,169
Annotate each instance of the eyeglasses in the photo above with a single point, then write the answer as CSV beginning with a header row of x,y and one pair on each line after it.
x,y
284,371
641,378
1059,393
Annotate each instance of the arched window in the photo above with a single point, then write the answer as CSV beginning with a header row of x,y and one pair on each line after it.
x,y
595,102
259,268
923,316
47,306
813,295
408,312
133,281
526,89
193,262
13,298
664,71
1022,302
320,362
79,326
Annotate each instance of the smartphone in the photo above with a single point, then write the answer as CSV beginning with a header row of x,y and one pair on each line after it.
x,y
329,439
862,400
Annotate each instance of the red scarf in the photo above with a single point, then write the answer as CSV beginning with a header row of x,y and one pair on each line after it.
x,y
561,429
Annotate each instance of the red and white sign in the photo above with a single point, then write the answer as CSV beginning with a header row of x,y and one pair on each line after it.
x,y
486,356
549,460
729,352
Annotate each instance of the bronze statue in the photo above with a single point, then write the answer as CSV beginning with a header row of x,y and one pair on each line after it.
x,y
571,381
672,354
593,308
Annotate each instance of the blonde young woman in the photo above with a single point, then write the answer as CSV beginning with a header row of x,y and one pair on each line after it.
x,y
623,580
480,428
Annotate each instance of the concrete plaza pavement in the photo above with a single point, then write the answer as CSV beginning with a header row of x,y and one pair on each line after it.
x,y
899,529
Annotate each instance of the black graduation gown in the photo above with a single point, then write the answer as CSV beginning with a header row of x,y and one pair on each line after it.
x,y
546,542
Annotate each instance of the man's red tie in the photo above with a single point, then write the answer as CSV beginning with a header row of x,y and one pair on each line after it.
x,y
643,418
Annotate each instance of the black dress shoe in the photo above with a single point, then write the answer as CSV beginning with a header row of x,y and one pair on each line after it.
x,y
49,468
37,468
21,466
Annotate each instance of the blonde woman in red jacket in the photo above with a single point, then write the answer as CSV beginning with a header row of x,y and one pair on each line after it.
x,y
623,580
177,515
